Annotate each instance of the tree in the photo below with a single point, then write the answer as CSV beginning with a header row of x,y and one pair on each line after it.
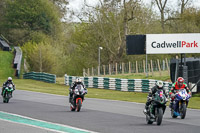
x,y
161,6
106,26
183,4
27,16
43,57
2,12
61,4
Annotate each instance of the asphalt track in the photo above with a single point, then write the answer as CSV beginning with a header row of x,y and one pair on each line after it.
x,y
105,116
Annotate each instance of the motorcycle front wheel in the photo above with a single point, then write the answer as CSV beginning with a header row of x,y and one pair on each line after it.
x,y
79,104
6,98
183,110
159,116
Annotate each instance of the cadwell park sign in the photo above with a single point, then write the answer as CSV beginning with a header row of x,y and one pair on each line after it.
x,y
172,43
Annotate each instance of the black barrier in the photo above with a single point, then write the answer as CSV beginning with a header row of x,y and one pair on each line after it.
x,y
191,71
173,70
135,44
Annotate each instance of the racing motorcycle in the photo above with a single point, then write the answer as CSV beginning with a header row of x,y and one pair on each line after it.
x,y
156,108
77,98
182,97
7,93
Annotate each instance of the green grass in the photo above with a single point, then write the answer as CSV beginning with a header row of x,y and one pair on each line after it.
x,y
60,89
6,59
39,86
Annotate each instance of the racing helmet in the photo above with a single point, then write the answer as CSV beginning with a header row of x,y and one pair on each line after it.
x,y
78,81
159,84
9,79
180,81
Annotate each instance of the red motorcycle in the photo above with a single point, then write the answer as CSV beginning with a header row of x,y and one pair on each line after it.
x,y
77,98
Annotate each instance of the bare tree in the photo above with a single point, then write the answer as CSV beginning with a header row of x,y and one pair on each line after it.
x,y
183,3
161,6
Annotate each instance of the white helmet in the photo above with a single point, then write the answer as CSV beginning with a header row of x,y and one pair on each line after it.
x,y
159,84
78,80
9,79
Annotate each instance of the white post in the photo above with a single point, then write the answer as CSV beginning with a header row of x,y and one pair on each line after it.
x,y
146,67
99,49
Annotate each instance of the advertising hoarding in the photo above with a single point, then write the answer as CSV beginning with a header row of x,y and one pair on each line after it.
x,y
172,43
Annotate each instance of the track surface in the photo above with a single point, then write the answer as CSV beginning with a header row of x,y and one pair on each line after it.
x,y
105,116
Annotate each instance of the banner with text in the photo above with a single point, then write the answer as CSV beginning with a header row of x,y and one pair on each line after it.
x,y
172,43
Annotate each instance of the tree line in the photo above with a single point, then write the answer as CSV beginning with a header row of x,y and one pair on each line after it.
x,y
54,45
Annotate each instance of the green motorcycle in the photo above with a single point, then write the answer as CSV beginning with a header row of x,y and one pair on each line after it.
x,y
7,93
157,108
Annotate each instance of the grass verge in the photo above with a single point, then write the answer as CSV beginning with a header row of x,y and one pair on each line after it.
x,y
38,86
6,69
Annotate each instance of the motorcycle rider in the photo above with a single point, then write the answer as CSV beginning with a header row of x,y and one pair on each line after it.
x,y
9,81
179,84
158,86
75,83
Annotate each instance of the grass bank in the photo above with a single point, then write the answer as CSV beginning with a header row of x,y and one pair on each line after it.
x,y
6,59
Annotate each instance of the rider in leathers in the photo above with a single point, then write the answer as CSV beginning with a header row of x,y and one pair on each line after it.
x,y
177,86
71,90
9,81
159,85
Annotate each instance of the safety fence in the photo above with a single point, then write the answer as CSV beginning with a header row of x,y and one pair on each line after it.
x,y
141,66
46,77
17,60
135,85
4,45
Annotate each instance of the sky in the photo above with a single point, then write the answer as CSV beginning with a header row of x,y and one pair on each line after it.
x,y
76,5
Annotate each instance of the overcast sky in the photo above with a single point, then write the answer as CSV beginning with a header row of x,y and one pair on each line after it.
x,y
76,5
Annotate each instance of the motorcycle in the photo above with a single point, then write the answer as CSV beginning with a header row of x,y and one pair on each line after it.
x,y
77,98
183,98
7,93
157,108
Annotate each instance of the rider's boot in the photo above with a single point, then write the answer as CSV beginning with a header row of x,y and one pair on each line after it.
x,y
170,105
70,99
152,115
146,108
2,92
